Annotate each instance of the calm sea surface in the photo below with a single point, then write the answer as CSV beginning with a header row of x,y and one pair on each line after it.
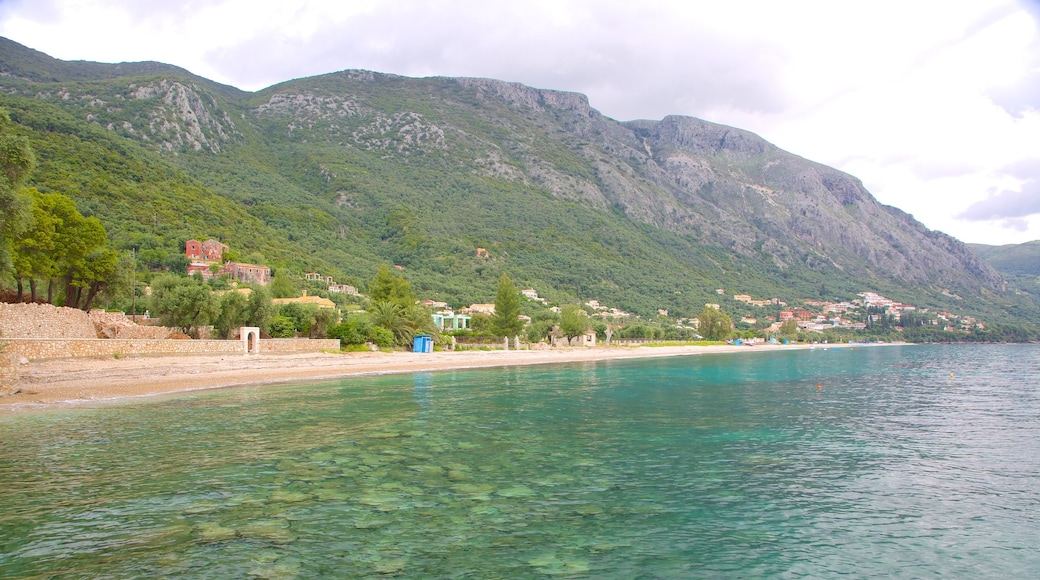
x,y
907,462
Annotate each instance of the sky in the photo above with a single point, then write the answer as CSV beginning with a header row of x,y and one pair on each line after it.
x,y
934,105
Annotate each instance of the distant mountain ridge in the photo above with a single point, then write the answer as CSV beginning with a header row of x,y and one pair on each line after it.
x,y
347,170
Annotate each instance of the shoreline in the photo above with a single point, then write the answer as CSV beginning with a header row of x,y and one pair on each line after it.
x,y
47,384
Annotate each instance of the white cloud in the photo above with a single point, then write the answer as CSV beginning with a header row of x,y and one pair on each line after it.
x,y
929,102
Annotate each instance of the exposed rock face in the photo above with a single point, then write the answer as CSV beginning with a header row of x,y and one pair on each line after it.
x,y
731,188
184,118
524,96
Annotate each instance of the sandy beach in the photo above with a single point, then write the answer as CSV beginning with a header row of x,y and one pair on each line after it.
x,y
50,382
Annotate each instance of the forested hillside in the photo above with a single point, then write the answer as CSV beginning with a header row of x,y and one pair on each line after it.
x,y
344,172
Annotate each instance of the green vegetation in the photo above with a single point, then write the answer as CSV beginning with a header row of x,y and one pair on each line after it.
x,y
573,321
506,321
402,177
714,324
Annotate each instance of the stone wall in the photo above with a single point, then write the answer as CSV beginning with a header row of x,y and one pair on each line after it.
x,y
19,320
49,348
43,331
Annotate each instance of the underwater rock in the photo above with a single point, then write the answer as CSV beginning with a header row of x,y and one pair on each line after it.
x,y
553,566
457,475
368,524
213,532
428,469
285,496
276,572
274,531
518,491
332,495
196,509
472,488
392,566
382,501
176,535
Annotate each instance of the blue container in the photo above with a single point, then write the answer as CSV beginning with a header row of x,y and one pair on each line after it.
x,y
422,343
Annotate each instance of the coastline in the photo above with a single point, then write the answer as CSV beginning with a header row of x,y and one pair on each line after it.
x,y
48,383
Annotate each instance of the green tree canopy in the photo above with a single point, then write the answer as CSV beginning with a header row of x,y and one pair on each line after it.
x,y
506,319
34,250
390,287
573,321
391,316
713,324
282,285
61,245
233,311
17,161
183,303
259,309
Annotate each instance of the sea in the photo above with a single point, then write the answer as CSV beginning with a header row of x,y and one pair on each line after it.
x,y
894,461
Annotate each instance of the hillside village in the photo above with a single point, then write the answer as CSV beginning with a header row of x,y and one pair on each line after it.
x,y
764,318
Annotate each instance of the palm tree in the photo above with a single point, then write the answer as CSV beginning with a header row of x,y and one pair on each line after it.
x,y
391,316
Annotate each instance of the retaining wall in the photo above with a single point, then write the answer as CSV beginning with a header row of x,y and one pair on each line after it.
x,y
48,348
30,320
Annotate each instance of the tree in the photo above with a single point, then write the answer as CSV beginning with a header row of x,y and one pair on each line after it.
x,y
506,319
34,256
233,311
354,330
302,316
183,303
17,161
421,319
789,328
61,244
282,327
713,324
259,309
281,285
324,319
390,287
573,321
391,316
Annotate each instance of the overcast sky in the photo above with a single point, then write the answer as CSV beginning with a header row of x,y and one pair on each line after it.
x,y
935,105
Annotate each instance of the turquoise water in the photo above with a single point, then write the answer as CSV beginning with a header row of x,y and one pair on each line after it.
x,y
910,462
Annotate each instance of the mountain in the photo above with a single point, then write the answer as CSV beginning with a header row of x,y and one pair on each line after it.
x,y
344,171
1011,259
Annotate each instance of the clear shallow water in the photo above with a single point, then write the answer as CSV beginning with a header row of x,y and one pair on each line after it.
x,y
919,461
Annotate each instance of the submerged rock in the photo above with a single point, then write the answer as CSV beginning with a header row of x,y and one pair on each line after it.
x,y
274,531
392,566
285,496
213,532
518,491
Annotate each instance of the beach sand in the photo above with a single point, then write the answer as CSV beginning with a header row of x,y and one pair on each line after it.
x,y
47,383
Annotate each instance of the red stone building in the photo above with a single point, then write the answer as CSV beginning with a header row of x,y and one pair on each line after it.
x,y
209,251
